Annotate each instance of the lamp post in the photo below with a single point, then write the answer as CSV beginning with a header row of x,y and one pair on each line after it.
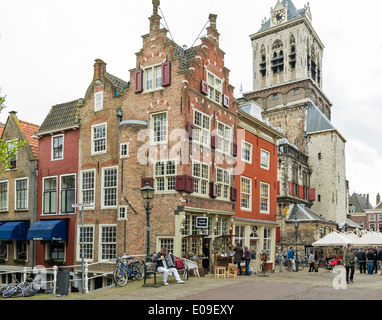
x,y
296,224
82,206
147,194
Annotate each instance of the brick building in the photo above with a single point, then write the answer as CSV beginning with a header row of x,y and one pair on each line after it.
x,y
255,221
54,231
18,189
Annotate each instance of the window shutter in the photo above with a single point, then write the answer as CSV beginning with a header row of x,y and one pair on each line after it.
x,y
213,189
312,194
301,191
189,184
278,188
166,74
234,149
190,128
149,180
138,81
233,194
180,183
214,141
204,87
225,101
291,188
278,229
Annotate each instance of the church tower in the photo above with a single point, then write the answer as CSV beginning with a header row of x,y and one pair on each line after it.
x,y
288,86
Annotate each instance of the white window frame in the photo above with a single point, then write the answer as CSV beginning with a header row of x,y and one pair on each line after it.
x,y
75,192
224,142
266,197
98,101
167,177
198,180
122,212
267,243
250,145
52,147
92,139
79,239
152,129
156,82
100,257
7,196
124,150
201,132
43,192
15,155
223,184
372,218
215,92
103,188
263,151
27,193
82,189
249,194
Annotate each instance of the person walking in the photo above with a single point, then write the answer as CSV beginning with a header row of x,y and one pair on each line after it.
x,y
380,259
375,265
312,262
361,257
247,258
237,257
291,258
370,261
349,263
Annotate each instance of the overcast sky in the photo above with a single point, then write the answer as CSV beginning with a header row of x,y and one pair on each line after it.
x,y
48,48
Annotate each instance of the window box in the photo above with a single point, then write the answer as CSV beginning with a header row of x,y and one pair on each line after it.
x,y
19,261
54,262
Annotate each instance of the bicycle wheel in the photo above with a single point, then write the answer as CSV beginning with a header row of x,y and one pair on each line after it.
x,y
138,271
29,291
120,276
288,265
9,292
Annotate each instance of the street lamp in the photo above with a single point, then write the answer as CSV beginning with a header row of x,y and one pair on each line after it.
x,y
296,224
147,194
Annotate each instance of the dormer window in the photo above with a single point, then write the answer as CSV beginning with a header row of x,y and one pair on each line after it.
x,y
98,101
215,87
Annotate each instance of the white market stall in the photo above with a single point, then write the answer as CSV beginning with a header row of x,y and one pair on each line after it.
x,y
370,238
334,239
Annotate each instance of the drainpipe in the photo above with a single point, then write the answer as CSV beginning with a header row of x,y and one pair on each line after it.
x,y
34,216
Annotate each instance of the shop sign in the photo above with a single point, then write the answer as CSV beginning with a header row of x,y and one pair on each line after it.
x,y
202,222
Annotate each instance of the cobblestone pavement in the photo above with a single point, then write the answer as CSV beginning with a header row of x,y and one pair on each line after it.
x,y
275,286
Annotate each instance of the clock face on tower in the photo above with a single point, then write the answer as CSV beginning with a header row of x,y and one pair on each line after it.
x,y
278,16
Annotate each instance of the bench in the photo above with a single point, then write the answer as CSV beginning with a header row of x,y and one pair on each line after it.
x,y
151,272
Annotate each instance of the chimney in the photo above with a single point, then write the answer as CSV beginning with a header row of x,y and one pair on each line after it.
x,y
99,69
212,32
378,199
155,18
367,200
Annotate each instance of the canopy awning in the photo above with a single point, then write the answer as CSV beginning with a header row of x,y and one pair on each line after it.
x,y
13,230
54,230
333,239
369,239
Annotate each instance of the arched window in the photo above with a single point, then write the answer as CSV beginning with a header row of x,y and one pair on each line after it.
x,y
263,63
292,55
278,57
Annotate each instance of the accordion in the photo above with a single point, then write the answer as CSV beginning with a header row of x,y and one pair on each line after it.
x,y
169,261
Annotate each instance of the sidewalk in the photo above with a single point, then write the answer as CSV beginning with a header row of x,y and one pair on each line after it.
x,y
276,286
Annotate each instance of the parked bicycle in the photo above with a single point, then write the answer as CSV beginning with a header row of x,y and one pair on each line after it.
x,y
124,271
330,265
26,288
10,288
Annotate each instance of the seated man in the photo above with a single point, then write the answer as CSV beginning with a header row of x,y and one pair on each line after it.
x,y
160,267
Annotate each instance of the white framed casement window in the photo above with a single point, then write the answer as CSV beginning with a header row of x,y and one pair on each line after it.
x,y
246,151
4,195
99,139
21,194
88,242
109,187
201,174
124,150
49,195
225,138
108,242
11,144
215,87
88,179
122,213
264,197
264,159
67,193
158,126
164,175
246,194
240,235
223,182
57,147
98,101
268,240
202,131
152,78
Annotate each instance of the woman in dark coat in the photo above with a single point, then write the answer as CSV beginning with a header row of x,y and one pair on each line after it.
x,y
238,254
